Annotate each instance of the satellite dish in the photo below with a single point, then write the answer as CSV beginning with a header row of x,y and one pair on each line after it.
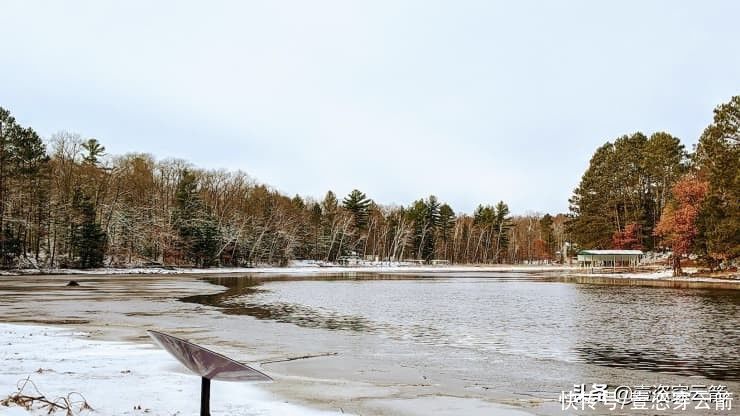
x,y
207,364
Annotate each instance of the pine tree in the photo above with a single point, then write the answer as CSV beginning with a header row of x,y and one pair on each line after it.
x,y
665,162
494,224
94,150
10,248
23,191
88,238
358,204
626,182
501,226
8,129
329,204
30,165
446,224
331,231
198,232
425,216
298,202
591,224
718,161
548,234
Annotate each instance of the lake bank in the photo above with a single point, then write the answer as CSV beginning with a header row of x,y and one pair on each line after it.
x,y
301,269
117,378
652,276
665,280
57,363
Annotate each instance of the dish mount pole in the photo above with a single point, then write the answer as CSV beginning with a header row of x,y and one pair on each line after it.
x,y
205,396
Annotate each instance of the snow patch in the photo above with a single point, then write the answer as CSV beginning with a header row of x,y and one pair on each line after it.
x,y
116,378
308,267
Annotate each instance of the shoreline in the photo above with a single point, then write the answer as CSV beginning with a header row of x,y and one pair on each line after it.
x,y
73,362
297,269
670,282
75,365
650,276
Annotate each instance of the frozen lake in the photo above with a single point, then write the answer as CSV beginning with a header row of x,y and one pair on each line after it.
x,y
443,343
475,316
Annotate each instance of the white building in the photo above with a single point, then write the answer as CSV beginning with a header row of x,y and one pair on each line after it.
x,y
609,258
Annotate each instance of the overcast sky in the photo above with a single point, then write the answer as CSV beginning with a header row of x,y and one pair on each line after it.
x,y
472,101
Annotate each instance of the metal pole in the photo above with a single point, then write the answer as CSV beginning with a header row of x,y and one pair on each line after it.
x,y
205,397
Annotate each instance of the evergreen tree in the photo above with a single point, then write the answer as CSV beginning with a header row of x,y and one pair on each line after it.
x,y
31,187
446,224
298,202
548,233
314,216
495,225
198,232
591,225
626,183
358,204
94,150
10,248
329,204
718,162
502,224
8,129
23,192
665,163
425,215
88,238
331,230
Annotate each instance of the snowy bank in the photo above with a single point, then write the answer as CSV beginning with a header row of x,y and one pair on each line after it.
x,y
118,378
666,274
659,278
303,267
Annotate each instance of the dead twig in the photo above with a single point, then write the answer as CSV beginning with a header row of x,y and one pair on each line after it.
x,y
28,400
302,357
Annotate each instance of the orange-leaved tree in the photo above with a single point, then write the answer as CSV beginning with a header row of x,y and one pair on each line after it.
x,y
629,239
677,225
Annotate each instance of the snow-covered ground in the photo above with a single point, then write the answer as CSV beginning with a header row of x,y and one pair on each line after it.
x,y
118,378
665,274
305,267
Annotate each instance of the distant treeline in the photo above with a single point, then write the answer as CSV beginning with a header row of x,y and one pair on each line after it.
x,y
71,205
66,203
649,193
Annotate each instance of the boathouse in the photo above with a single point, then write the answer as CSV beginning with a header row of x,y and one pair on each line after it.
x,y
609,258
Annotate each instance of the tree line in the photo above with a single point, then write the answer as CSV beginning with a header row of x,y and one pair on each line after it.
x,y
66,203
650,193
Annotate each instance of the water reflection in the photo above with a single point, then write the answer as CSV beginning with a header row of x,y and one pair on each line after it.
x,y
235,286
675,331
235,301
658,361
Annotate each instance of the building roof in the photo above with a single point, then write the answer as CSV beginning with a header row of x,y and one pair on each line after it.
x,y
612,252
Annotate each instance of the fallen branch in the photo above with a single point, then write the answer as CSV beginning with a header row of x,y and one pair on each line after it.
x,y
302,357
28,401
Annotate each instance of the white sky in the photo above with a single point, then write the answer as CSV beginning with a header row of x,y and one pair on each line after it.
x,y
472,101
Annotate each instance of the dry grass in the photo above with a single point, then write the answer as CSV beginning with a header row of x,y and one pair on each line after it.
x,y
29,397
